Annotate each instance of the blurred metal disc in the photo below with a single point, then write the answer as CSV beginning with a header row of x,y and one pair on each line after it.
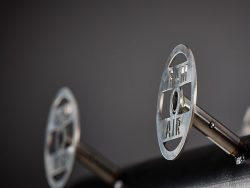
x,y
62,138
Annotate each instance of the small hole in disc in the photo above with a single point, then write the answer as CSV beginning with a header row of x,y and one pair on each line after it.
x,y
60,138
172,144
178,59
52,143
59,176
69,133
165,112
187,90
174,101
63,102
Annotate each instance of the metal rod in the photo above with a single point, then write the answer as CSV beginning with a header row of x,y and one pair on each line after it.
x,y
98,165
216,131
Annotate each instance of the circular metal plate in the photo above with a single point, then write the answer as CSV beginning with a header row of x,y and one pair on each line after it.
x,y
62,138
176,126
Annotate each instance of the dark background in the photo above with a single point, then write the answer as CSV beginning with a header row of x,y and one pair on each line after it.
x,y
111,54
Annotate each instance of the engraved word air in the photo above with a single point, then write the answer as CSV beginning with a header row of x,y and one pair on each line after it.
x,y
174,129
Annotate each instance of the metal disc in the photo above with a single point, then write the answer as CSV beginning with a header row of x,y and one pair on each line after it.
x,y
175,127
62,138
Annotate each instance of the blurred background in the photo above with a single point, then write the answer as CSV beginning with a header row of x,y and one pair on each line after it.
x,y
112,54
